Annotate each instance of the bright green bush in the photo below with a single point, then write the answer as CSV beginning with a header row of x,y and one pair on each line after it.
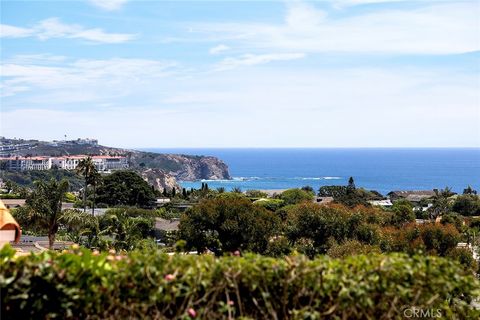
x,y
294,196
270,204
70,197
82,285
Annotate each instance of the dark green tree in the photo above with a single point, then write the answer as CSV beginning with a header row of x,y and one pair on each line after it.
x,y
469,190
402,212
226,224
467,205
125,188
351,184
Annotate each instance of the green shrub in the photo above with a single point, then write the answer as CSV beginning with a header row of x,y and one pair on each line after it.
x,y
351,247
70,197
147,284
256,194
294,196
270,204
464,256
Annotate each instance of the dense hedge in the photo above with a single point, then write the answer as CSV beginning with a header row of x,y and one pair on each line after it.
x,y
81,284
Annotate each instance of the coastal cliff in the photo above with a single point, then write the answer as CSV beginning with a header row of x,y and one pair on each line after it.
x,y
165,170
160,170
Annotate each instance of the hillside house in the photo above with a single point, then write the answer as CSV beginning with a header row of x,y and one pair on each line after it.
x,y
412,196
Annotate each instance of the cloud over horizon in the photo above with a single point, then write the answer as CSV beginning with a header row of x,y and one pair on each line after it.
x,y
345,73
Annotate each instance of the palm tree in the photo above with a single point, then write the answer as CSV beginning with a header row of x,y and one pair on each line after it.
x,y
94,180
87,169
44,206
85,228
440,202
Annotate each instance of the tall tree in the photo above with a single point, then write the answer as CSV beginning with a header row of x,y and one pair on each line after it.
x,y
94,180
86,167
351,184
227,224
125,188
44,206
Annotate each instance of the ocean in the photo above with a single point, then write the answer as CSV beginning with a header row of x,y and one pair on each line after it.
x,y
383,170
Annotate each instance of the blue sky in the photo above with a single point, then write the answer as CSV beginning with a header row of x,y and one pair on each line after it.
x,y
333,73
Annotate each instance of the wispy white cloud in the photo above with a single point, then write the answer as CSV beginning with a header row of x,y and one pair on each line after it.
x,y
7,31
348,3
109,5
219,49
254,59
146,98
54,28
98,79
433,28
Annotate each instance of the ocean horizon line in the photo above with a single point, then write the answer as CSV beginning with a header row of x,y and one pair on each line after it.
x,y
302,148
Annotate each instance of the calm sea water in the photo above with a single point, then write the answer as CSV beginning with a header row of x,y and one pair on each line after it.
x,y
383,170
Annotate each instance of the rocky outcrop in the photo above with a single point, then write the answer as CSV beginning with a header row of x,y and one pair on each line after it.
x,y
195,168
159,179
182,167
165,170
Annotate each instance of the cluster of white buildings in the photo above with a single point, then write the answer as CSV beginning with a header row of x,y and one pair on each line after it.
x,y
102,163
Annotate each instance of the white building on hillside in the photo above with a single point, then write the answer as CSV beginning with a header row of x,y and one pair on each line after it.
x,y
102,163
27,163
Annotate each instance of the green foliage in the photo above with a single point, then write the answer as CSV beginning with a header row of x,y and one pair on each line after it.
x,y
256,194
11,196
278,246
467,205
70,197
227,224
402,212
318,224
332,191
230,195
440,202
350,248
28,177
146,284
125,188
128,226
44,206
294,196
270,204
348,195
465,257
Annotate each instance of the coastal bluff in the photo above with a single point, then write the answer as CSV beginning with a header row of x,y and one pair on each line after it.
x,y
164,170
159,169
